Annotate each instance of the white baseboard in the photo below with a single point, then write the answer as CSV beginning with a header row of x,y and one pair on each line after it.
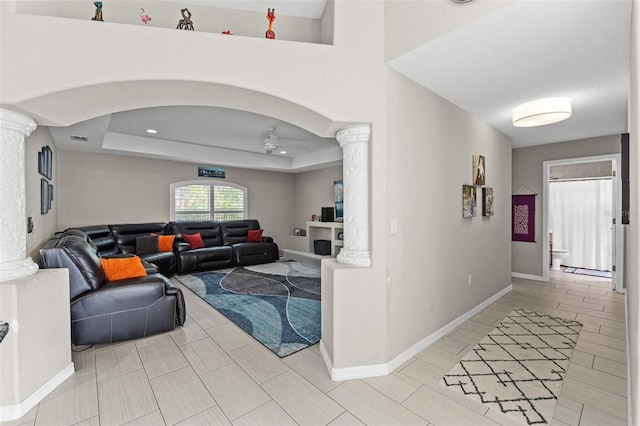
x,y
528,277
384,369
14,411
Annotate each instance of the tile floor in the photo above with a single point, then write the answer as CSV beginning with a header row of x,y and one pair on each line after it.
x,y
212,373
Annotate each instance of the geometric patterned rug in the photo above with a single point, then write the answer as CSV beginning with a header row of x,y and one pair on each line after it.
x,y
518,367
277,303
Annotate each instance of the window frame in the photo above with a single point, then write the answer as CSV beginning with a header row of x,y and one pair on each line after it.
x,y
211,185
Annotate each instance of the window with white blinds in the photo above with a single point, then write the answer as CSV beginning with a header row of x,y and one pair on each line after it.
x,y
203,200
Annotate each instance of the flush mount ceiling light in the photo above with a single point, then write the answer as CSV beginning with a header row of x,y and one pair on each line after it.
x,y
542,112
152,131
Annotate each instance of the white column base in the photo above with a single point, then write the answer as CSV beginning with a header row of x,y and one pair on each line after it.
x,y
355,258
17,269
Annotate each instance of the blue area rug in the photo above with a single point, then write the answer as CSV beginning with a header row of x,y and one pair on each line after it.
x,y
278,303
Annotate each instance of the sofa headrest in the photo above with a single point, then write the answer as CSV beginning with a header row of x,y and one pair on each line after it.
x,y
101,236
235,231
209,231
79,257
126,234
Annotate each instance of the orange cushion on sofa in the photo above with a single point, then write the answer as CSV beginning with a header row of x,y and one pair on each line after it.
x,y
165,242
122,268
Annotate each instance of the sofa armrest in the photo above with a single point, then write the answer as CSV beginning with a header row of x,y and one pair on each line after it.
x,y
180,247
267,239
119,295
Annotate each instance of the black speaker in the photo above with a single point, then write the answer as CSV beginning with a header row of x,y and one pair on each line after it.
x,y
327,214
626,187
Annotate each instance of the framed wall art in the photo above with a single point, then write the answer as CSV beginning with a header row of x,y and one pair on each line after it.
x,y
45,198
45,162
478,169
469,197
487,201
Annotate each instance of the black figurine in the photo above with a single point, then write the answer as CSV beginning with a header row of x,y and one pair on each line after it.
x,y
185,23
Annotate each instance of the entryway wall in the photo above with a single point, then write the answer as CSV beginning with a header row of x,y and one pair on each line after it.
x,y
527,169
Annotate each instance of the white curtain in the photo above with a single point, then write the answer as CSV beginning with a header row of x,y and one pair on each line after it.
x,y
580,217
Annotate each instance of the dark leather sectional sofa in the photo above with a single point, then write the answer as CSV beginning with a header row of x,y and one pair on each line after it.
x,y
104,312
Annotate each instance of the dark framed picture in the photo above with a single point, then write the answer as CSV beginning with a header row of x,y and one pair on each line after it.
x,y
478,169
523,218
45,200
487,201
50,196
211,172
469,200
45,162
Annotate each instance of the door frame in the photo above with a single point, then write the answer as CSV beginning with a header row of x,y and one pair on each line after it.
x,y
617,281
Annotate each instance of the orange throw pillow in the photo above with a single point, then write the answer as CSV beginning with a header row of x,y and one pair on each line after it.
x,y
122,268
165,242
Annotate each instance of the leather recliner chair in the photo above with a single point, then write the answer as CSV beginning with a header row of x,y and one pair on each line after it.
x,y
105,312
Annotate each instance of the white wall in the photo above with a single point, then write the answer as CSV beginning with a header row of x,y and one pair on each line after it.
x,y
95,189
431,144
314,190
44,225
633,230
528,171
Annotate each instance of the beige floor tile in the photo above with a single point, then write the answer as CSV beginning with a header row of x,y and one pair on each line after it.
x,y
75,400
582,358
211,417
611,367
267,414
396,386
205,355
588,395
310,365
593,417
614,316
152,340
301,400
372,407
436,356
598,379
619,333
568,411
188,333
438,409
501,418
258,362
181,395
602,351
589,319
84,361
346,419
229,336
604,340
125,398
152,419
162,358
477,327
467,336
453,345
117,360
93,421
585,305
235,392
208,318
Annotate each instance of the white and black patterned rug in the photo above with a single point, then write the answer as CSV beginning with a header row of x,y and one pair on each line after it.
x,y
518,367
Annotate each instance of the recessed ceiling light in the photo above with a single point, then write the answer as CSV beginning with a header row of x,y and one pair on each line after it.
x,y
152,131
283,152
542,112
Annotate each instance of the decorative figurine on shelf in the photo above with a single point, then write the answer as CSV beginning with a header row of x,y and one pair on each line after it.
x,y
144,17
98,15
228,32
185,23
271,16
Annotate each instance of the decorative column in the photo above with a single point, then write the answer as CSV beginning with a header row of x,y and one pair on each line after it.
x,y
355,165
14,262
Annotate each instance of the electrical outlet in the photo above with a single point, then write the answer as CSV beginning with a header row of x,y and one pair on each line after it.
x,y
470,279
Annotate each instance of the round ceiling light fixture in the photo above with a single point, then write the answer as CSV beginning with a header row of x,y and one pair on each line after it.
x,y
541,112
152,131
462,1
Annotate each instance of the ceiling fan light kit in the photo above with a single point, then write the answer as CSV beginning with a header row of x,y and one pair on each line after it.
x,y
541,112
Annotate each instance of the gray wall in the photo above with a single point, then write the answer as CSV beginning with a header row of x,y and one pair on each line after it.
x,y
314,190
527,176
429,158
44,225
106,189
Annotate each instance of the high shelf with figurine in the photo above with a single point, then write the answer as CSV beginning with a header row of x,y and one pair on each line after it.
x,y
326,231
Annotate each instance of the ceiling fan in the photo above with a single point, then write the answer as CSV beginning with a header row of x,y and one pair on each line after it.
x,y
271,141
